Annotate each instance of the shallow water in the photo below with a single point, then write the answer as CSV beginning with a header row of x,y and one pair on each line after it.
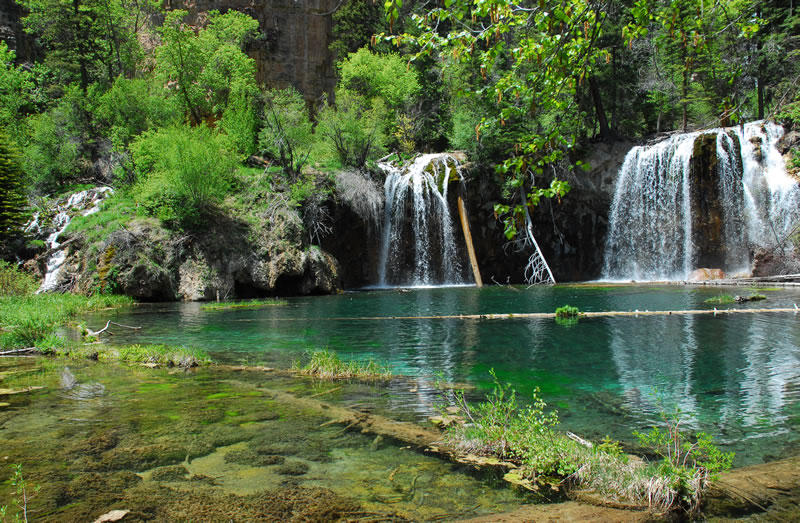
x,y
738,376
176,446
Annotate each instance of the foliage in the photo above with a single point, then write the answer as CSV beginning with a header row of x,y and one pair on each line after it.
x,y
60,146
354,24
326,364
239,122
525,436
23,495
287,134
249,304
13,203
17,91
354,127
133,106
384,76
31,320
525,65
14,282
117,210
206,68
567,311
183,172
689,466
87,40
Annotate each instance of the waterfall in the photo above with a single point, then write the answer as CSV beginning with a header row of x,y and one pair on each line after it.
x,y
85,202
671,214
418,247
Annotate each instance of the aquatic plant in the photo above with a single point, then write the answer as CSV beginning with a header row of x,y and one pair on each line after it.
x,y
525,437
722,299
159,355
567,311
23,496
251,304
326,364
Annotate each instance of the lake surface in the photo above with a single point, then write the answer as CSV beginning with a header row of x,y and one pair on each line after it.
x,y
735,376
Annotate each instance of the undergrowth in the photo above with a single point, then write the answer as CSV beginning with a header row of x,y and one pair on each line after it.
x,y
326,364
526,436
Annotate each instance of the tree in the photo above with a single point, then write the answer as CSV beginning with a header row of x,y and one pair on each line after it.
x,y
287,134
86,40
16,91
525,63
206,67
354,127
13,202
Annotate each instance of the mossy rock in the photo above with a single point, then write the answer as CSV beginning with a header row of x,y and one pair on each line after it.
x,y
251,457
171,473
292,468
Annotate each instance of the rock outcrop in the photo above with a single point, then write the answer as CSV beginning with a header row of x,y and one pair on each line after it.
x,y
227,259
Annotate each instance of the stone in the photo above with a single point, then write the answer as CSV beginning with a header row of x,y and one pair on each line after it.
x,y
706,275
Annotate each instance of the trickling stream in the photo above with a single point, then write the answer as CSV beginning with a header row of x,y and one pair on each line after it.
x,y
418,246
671,215
84,202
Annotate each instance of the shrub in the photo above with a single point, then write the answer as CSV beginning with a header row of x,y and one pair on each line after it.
x,y
286,134
133,106
354,127
184,173
14,282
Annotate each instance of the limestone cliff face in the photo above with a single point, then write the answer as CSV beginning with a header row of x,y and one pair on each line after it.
x,y
293,50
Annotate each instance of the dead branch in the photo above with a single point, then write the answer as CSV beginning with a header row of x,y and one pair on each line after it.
x,y
18,351
97,333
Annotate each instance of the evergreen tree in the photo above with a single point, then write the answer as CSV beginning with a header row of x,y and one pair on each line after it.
x,y
12,194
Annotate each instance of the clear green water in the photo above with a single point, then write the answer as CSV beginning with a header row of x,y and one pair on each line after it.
x,y
211,445
739,376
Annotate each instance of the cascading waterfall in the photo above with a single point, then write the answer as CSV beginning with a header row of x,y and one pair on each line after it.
x,y
667,220
418,247
87,202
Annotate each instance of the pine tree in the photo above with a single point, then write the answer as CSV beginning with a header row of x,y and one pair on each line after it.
x,y
13,203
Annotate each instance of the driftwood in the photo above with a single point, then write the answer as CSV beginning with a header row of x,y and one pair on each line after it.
x,y
551,315
14,352
108,324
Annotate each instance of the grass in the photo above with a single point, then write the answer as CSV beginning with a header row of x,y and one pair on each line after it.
x,y
722,299
526,437
326,364
250,304
116,211
31,320
157,355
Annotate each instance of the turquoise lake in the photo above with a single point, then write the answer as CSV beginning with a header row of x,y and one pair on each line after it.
x,y
734,376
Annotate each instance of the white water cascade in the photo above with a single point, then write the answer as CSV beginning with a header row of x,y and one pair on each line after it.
x,y
418,247
666,221
84,203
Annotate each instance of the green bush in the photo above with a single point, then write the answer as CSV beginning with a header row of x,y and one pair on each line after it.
x,y
239,122
286,134
14,282
184,173
133,106
354,128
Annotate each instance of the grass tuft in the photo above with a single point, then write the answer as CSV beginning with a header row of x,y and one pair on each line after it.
x,y
250,304
326,364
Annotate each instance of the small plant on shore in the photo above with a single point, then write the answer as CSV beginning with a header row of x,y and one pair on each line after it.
x,y
24,494
14,282
251,304
326,364
689,465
